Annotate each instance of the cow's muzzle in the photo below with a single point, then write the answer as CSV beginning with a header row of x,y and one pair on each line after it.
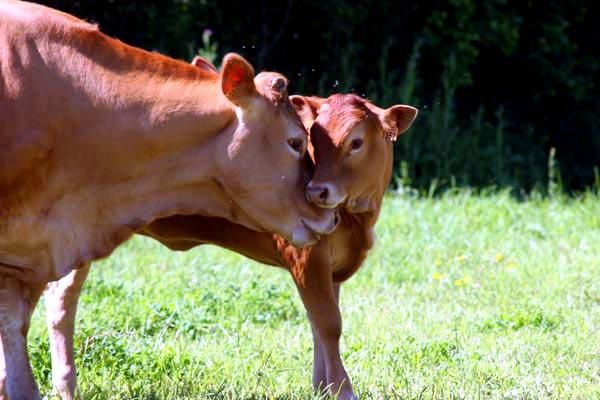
x,y
308,232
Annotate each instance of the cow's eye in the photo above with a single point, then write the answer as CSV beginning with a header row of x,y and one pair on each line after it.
x,y
296,144
356,144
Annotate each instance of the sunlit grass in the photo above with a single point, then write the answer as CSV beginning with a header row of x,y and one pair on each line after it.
x,y
463,297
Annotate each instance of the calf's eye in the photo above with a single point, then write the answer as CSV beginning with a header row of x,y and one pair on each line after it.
x,y
296,144
356,144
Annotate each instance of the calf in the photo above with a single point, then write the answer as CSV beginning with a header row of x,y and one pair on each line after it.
x,y
352,146
98,139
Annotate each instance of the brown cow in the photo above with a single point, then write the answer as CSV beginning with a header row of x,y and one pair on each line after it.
x,y
352,142
98,139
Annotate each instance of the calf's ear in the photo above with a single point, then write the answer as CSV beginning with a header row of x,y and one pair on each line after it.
x,y
237,79
396,120
307,108
203,63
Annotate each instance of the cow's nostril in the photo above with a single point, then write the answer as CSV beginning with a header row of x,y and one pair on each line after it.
x,y
336,219
324,194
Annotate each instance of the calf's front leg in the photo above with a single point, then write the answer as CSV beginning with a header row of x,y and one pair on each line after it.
x,y
319,368
319,375
320,300
61,306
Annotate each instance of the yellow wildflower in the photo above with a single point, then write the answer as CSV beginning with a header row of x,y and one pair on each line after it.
x,y
437,276
461,258
499,257
437,262
511,266
458,282
467,280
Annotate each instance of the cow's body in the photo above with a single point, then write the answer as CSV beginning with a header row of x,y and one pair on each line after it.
x,y
98,139
317,272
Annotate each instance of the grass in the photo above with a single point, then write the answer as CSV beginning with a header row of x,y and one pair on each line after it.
x,y
465,296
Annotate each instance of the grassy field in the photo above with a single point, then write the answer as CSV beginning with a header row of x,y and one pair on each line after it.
x,y
463,297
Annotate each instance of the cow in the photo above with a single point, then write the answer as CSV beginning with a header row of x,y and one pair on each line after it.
x,y
98,139
352,145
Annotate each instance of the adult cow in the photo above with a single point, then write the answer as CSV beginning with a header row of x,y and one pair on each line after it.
x,y
98,139
352,142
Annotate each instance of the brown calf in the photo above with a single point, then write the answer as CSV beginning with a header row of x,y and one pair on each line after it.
x,y
352,142
98,139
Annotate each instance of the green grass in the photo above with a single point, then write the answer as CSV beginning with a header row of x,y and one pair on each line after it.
x,y
463,297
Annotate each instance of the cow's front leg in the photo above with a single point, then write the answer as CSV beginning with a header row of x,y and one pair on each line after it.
x,y
61,306
319,298
17,302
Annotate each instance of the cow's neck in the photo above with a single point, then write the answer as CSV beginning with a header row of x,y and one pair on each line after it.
x,y
172,128
148,126
173,135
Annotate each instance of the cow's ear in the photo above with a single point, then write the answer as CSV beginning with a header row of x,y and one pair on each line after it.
x,y
307,108
237,79
396,120
203,63
273,86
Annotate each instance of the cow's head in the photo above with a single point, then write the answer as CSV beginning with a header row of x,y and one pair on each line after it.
x,y
351,143
264,168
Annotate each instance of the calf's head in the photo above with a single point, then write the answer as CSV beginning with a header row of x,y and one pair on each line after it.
x,y
263,170
352,146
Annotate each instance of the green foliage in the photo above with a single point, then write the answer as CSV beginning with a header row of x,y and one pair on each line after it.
x,y
209,48
464,296
498,83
